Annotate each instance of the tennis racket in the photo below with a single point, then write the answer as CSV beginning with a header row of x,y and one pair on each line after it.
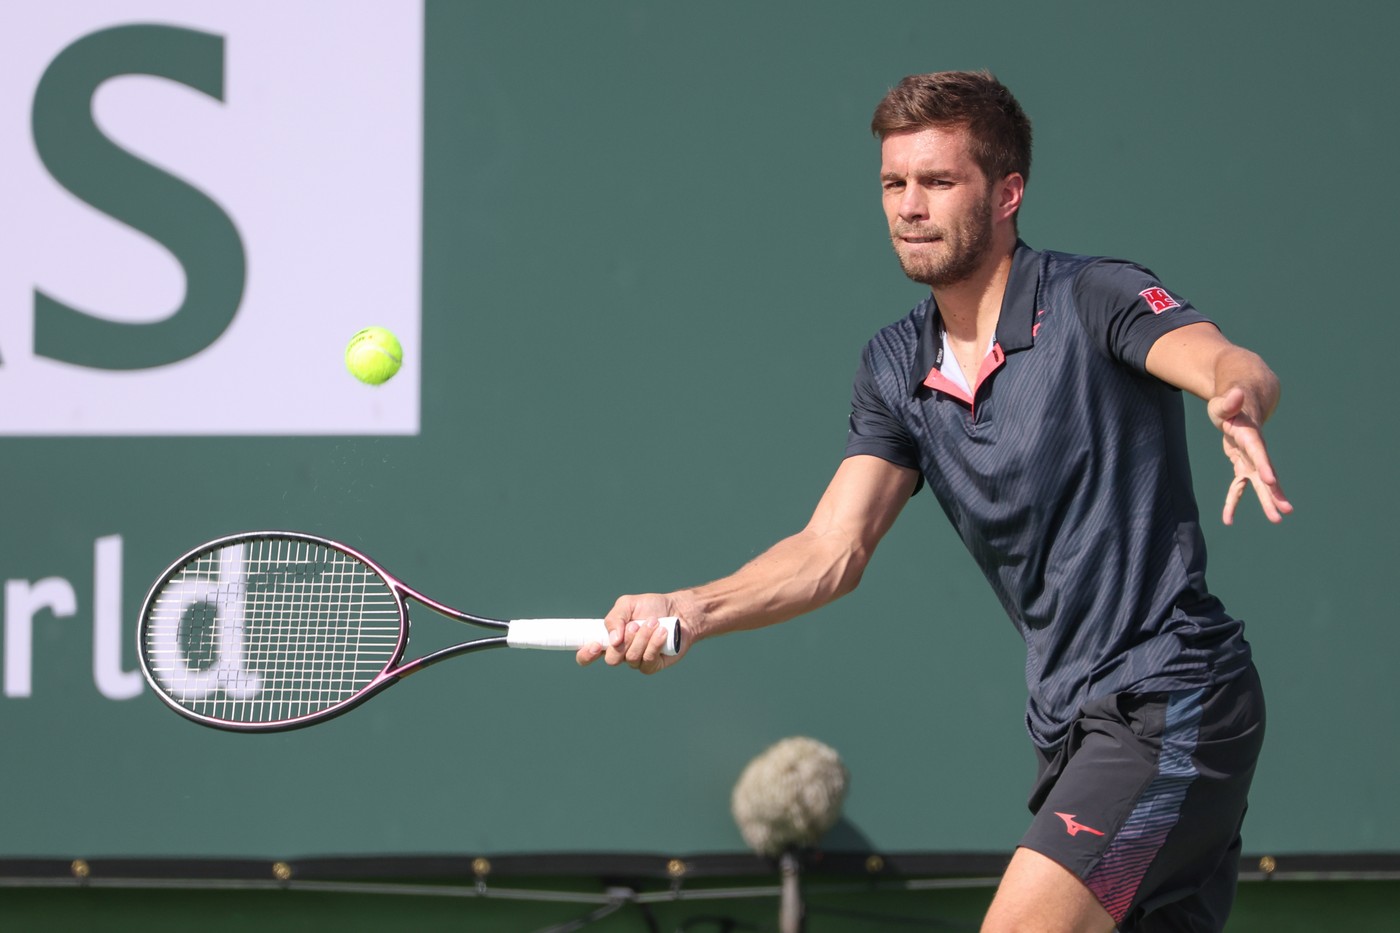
x,y
274,630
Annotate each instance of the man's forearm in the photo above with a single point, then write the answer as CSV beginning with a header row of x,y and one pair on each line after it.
x,y
796,575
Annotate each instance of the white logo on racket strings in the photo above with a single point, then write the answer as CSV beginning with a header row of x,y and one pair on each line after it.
x,y
226,597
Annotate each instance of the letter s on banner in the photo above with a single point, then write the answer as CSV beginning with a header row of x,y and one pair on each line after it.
x,y
98,171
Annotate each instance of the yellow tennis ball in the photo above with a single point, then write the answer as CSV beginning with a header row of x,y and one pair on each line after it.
x,y
373,355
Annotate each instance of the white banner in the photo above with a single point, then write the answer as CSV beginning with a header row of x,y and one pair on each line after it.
x,y
203,202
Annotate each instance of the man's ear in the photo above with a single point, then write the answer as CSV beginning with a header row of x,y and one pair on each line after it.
x,y
1008,196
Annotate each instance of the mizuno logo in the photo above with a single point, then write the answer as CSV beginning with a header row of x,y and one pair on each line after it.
x,y
1073,826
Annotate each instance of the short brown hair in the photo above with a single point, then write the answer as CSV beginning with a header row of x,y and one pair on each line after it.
x,y
1001,134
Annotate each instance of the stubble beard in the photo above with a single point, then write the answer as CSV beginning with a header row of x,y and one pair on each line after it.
x,y
965,247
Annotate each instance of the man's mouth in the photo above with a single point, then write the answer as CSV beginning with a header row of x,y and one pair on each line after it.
x,y
913,237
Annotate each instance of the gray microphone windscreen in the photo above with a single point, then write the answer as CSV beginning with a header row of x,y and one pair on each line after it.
x,y
789,795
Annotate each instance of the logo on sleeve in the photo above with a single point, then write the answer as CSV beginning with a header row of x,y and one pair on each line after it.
x,y
1158,300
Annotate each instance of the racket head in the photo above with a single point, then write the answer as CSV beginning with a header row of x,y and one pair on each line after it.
x,y
271,630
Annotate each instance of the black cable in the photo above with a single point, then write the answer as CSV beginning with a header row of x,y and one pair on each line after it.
x,y
650,918
571,926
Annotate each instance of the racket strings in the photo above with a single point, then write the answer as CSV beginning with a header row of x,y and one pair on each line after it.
x,y
271,630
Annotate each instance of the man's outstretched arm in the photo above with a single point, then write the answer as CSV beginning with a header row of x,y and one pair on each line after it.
x,y
1241,393
823,561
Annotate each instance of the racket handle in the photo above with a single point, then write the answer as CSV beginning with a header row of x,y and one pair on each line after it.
x,y
573,634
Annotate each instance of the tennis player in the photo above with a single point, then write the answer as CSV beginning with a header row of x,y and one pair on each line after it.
x,y
1037,395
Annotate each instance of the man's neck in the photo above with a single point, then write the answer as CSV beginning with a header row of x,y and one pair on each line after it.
x,y
970,309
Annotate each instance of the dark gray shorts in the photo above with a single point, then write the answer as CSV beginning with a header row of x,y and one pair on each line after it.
x,y
1144,799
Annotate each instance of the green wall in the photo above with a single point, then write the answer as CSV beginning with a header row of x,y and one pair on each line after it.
x,y
651,253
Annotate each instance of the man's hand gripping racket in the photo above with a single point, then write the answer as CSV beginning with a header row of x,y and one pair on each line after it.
x,y
270,630
642,645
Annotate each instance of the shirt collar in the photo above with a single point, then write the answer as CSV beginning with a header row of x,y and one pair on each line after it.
x,y
1013,326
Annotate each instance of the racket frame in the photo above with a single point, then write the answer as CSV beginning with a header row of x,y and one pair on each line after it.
x,y
388,676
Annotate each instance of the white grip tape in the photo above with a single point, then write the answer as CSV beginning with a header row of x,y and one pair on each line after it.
x,y
571,634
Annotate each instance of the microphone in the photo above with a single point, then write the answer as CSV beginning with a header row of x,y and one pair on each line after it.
x,y
785,800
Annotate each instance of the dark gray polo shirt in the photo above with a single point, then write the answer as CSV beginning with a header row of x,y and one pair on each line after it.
x,y
1066,475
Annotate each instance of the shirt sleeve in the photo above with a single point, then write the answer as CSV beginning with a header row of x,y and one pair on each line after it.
x,y
1126,309
873,428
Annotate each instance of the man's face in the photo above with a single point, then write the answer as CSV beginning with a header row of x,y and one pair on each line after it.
x,y
938,204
